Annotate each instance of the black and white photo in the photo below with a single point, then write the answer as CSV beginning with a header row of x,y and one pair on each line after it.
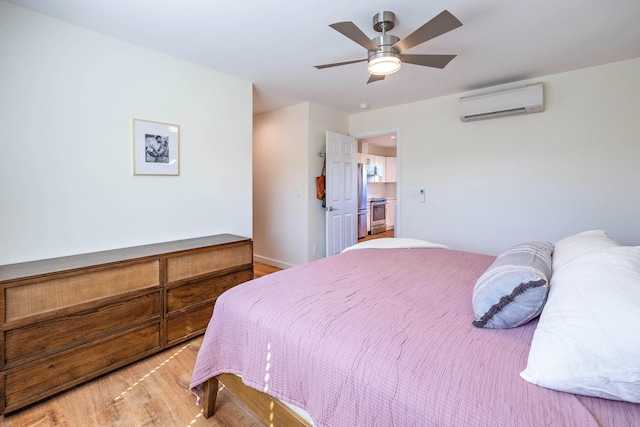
x,y
155,148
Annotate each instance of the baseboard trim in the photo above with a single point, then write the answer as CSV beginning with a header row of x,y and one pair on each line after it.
x,y
272,262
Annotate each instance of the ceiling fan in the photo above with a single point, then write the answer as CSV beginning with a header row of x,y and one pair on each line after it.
x,y
385,51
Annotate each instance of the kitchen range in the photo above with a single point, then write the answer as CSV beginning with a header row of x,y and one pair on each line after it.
x,y
378,215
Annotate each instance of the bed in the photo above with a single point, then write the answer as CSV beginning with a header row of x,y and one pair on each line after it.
x,y
382,336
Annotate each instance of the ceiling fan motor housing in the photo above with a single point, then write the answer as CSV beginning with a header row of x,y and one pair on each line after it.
x,y
386,42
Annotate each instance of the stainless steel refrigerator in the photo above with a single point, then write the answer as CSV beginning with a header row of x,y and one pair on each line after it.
x,y
362,201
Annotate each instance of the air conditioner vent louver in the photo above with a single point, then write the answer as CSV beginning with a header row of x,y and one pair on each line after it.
x,y
521,100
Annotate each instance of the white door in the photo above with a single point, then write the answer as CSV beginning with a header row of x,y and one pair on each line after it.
x,y
342,192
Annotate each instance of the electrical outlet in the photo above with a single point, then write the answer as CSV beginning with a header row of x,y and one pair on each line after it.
x,y
315,248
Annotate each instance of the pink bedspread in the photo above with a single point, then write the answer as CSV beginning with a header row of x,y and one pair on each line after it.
x,y
383,337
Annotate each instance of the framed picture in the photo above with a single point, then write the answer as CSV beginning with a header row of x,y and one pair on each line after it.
x,y
156,148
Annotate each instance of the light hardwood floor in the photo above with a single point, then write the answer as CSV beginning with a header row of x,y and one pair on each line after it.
x,y
388,233
152,392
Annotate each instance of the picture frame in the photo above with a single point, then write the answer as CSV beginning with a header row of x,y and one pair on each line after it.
x,y
156,148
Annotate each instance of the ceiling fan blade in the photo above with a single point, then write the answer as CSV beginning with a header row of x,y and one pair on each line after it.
x,y
336,64
374,78
439,25
350,30
436,61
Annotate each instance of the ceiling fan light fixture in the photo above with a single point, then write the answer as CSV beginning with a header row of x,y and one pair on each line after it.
x,y
383,64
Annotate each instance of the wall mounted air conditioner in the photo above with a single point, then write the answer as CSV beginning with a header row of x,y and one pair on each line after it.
x,y
510,102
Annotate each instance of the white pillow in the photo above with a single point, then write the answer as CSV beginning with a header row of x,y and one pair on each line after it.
x,y
569,247
588,338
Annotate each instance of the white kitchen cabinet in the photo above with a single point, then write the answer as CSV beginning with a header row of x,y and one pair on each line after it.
x,y
391,213
391,169
381,166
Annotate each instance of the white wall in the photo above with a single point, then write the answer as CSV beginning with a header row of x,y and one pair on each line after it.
x,y
287,218
66,181
281,191
495,183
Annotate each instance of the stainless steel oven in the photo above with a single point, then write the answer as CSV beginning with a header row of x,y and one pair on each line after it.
x,y
378,215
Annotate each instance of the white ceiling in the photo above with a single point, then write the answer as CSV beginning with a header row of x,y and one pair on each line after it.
x,y
387,140
275,43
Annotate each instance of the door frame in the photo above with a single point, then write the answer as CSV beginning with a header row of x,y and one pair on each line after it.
x,y
397,228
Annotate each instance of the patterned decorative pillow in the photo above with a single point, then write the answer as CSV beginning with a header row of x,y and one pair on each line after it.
x,y
514,288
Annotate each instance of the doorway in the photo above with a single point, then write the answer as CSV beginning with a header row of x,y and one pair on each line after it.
x,y
380,153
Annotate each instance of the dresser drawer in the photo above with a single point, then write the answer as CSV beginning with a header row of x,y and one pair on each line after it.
x,y
188,294
209,261
54,335
183,326
64,292
32,382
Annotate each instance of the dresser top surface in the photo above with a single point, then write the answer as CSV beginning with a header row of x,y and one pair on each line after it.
x,y
48,266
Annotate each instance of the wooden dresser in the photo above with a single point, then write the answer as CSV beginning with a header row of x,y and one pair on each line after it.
x,y
64,321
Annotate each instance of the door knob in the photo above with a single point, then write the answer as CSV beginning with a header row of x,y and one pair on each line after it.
x,y
330,208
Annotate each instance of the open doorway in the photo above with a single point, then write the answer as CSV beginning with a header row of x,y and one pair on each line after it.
x,y
378,155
